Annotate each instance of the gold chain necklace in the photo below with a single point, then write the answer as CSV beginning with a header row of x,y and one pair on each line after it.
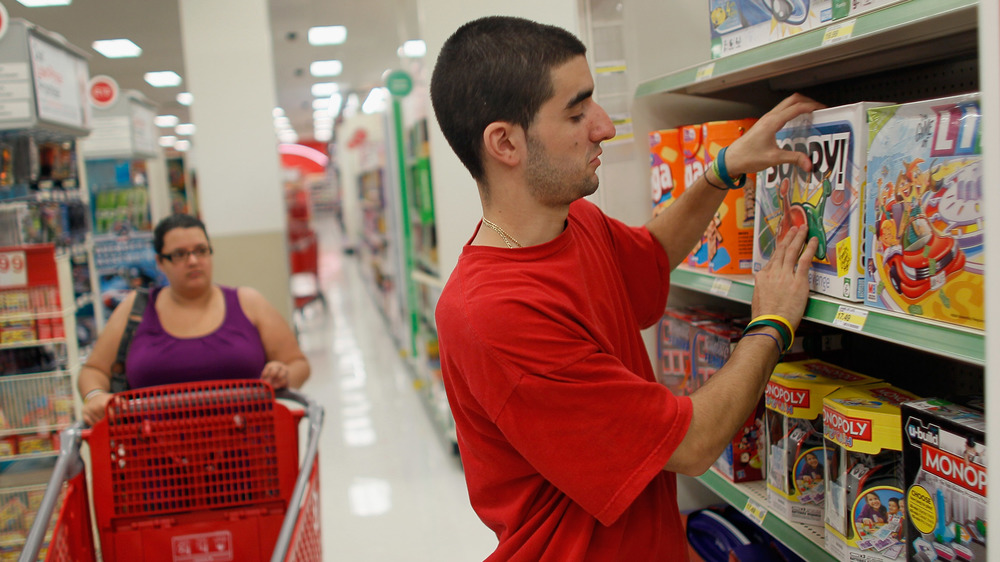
x,y
507,238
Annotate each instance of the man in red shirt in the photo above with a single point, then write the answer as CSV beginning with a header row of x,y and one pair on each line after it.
x,y
570,446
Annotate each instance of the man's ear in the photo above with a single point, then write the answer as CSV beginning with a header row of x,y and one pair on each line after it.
x,y
504,142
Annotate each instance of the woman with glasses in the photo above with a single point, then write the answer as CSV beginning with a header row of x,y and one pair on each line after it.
x,y
192,329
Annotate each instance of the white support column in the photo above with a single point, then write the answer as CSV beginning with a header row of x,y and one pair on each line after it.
x,y
228,58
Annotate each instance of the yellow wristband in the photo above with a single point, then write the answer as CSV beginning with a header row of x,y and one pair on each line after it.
x,y
782,320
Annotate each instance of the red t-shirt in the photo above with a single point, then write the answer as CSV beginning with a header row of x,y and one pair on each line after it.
x,y
562,427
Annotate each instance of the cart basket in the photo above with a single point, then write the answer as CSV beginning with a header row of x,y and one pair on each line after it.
x,y
191,472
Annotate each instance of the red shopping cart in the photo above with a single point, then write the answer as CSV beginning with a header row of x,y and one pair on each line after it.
x,y
303,248
193,472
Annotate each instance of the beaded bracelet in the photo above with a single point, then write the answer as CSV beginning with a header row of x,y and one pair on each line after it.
x,y
719,166
93,393
781,352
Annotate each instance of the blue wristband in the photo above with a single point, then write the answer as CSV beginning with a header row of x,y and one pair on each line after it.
x,y
723,172
780,351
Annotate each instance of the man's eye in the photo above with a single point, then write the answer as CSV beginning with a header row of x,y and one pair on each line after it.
x,y
577,118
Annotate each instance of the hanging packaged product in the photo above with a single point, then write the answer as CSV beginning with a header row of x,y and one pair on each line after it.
x,y
828,200
944,467
865,504
794,430
924,222
666,168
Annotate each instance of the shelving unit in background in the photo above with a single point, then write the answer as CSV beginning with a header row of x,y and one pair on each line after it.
x,y
913,50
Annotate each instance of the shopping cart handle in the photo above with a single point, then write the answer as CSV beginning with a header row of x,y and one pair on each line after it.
x,y
315,414
68,465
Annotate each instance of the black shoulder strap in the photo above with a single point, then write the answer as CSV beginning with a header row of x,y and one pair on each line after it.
x,y
118,381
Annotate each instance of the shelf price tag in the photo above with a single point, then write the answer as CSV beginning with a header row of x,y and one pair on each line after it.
x,y
839,32
850,318
13,270
705,72
755,511
721,287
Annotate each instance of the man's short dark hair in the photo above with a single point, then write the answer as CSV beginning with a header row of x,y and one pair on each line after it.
x,y
172,222
495,69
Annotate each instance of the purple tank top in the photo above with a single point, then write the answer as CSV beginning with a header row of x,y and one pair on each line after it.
x,y
233,351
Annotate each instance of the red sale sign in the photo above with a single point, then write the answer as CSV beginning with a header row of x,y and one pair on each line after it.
x,y
13,272
103,91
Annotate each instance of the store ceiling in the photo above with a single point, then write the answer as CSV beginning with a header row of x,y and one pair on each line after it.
x,y
375,30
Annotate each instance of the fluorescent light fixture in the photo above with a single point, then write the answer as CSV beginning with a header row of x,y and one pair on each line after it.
x,y
277,112
376,102
186,129
116,48
162,78
44,3
327,35
326,68
166,121
323,136
352,105
167,141
182,146
324,89
282,122
185,98
288,136
321,103
321,114
335,101
414,49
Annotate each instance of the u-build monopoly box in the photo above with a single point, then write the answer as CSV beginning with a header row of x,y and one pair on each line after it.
x,y
865,504
794,427
666,168
828,200
923,216
944,465
738,25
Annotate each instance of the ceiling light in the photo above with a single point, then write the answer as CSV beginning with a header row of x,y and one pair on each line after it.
x,y
324,89
186,129
282,122
376,101
321,114
185,98
166,120
323,136
116,48
326,68
167,141
277,112
335,100
182,145
414,49
288,136
162,79
321,103
327,35
43,3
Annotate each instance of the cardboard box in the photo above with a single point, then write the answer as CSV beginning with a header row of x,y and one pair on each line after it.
x,y
738,25
828,199
666,168
729,238
944,466
865,503
924,223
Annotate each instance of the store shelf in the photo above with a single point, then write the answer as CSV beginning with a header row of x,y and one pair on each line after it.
x,y
807,541
32,343
951,341
883,39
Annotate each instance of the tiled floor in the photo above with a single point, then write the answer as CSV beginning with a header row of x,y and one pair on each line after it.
x,y
391,488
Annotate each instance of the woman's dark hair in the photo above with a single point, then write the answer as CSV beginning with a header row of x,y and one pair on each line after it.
x,y
172,222
495,69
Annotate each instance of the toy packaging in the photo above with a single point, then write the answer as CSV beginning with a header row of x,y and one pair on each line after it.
x,y
842,9
865,504
738,25
727,245
675,342
666,168
794,432
944,465
694,167
827,200
743,458
923,214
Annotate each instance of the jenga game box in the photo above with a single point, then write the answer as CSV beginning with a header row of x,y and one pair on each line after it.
x,y
944,466
865,503
738,25
666,168
727,245
694,167
923,216
794,431
828,200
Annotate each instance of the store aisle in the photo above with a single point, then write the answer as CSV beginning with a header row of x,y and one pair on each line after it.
x,y
391,489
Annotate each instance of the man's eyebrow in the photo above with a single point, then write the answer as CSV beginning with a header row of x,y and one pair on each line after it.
x,y
579,98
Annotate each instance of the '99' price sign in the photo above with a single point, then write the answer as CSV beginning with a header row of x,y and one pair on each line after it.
x,y
13,272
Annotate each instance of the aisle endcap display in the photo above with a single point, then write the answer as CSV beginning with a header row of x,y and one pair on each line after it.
x,y
124,130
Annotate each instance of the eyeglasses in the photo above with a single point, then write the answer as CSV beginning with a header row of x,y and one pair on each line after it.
x,y
180,255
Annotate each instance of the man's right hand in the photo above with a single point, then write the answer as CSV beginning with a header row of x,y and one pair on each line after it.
x,y
781,287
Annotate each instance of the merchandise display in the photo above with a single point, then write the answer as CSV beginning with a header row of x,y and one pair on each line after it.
x,y
794,431
944,465
828,200
865,504
666,168
924,223
738,25
694,168
842,9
